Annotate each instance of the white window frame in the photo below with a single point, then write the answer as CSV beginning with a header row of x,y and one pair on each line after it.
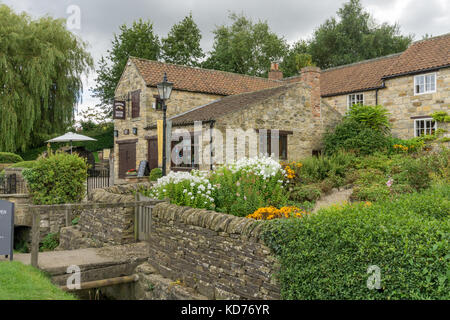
x,y
426,119
424,83
350,99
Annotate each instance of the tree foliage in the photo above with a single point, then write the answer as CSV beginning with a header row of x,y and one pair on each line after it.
x,y
245,47
353,37
41,64
138,40
182,44
296,58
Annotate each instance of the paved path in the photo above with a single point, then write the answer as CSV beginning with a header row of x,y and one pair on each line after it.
x,y
335,197
95,263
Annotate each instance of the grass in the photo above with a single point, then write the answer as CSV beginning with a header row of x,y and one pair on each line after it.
x,y
22,282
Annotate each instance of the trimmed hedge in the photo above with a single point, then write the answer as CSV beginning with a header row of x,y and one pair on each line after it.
x,y
327,255
59,178
8,157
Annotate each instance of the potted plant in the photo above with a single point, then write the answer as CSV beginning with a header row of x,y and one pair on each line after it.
x,y
132,173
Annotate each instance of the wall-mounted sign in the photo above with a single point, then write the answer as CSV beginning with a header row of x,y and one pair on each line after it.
x,y
126,131
119,109
6,228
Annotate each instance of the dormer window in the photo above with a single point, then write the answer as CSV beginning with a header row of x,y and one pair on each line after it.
x,y
425,83
357,98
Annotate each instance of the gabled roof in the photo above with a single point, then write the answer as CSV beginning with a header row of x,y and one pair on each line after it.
x,y
421,56
200,80
358,76
218,108
428,54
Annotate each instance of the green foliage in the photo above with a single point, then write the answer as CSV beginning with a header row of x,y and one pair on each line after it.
x,y
356,137
42,63
59,178
245,47
24,164
327,255
182,44
354,36
302,193
23,282
140,41
50,242
296,58
412,172
104,134
240,193
414,144
8,157
440,116
374,117
155,174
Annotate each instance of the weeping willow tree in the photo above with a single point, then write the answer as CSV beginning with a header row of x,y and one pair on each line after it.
x,y
41,64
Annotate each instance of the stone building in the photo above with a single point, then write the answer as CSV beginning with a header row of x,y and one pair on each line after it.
x,y
411,85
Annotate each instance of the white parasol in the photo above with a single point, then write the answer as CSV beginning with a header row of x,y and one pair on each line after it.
x,y
69,137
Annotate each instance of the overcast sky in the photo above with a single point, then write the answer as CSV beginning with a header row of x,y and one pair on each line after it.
x,y
294,19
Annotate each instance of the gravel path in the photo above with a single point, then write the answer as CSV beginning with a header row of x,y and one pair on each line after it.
x,y
335,197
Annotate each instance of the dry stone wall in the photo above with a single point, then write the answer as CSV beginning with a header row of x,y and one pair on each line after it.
x,y
220,256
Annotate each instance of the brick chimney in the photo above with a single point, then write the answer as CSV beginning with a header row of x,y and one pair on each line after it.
x,y
274,73
311,76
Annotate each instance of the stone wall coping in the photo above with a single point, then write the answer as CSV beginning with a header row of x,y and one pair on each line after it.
x,y
90,205
15,195
215,221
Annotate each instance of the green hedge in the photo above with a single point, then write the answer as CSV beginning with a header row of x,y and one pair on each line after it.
x,y
59,178
8,157
327,255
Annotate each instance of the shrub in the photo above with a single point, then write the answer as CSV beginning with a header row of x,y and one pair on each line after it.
x,y
184,189
327,255
24,164
309,192
373,117
406,146
155,174
59,178
249,184
413,172
8,157
355,136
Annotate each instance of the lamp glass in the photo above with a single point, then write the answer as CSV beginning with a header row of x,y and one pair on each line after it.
x,y
165,88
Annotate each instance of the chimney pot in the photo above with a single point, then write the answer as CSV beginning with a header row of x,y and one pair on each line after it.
x,y
275,73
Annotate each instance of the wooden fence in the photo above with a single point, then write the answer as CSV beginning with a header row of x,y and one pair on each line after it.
x,y
36,210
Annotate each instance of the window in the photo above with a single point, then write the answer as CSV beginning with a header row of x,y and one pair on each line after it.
x,y
425,83
424,126
187,155
135,103
357,98
282,145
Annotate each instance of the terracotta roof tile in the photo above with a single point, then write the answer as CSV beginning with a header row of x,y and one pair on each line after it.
x,y
201,80
423,55
355,77
226,105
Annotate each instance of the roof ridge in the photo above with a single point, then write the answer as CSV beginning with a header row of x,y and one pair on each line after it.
x,y
363,61
208,70
431,38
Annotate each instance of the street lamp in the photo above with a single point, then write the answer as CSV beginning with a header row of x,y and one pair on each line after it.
x,y
164,90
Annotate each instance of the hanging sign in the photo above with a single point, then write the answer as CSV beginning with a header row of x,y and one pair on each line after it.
x,y
6,228
119,110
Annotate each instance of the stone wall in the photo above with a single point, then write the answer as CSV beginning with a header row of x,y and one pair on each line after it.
x,y
180,101
399,99
101,226
220,256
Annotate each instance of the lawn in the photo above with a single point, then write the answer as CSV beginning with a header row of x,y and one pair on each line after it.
x,y
22,282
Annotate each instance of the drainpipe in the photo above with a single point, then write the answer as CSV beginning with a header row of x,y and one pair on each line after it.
x,y
211,126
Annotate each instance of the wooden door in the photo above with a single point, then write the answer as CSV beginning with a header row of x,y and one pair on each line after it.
x,y
127,158
152,153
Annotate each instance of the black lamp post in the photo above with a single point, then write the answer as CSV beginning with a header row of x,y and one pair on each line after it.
x,y
164,90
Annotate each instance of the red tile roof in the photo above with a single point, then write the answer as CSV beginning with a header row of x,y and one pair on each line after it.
x,y
422,55
355,77
201,80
